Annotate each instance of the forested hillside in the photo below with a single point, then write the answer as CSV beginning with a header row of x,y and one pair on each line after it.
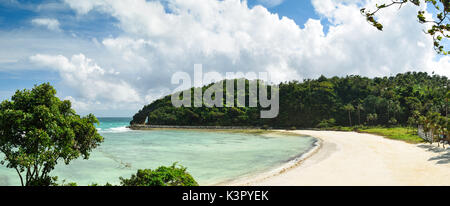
x,y
322,102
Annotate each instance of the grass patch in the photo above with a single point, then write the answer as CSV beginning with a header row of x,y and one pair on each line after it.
x,y
397,133
405,134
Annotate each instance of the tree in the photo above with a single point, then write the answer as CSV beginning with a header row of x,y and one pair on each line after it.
x,y
327,123
309,103
359,107
432,124
349,108
440,25
37,130
392,107
393,121
445,122
413,121
440,126
372,118
162,176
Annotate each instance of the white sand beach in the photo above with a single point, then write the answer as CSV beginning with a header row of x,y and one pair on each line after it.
x,y
355,159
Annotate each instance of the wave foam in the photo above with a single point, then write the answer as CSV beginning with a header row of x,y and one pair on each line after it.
x,y
116,130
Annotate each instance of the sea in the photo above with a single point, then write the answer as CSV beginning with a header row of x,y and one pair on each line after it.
x,y
211,157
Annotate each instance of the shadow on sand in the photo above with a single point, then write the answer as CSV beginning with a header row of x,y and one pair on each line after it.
x,y
443,156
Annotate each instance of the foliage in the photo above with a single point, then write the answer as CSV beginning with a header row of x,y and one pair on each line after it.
x,y
397,133
349,108
435,124
162,176
440,25
97,185
392,121
69,184
371,118
384,101
327,123
37,130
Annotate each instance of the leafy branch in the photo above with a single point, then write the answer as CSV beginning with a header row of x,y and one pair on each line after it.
x,y
440,26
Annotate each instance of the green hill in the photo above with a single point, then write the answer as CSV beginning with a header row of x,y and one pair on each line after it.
x,y
319,102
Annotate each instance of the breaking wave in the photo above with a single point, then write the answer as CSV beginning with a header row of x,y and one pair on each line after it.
x,y
115,130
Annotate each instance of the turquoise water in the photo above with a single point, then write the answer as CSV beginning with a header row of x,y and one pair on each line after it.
x,y
211,157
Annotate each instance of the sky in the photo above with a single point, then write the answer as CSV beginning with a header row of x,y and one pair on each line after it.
x,y
111,57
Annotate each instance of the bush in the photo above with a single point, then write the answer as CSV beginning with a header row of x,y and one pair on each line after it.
x,y
162,176
357,128
393,121
70,184
327,123
97,185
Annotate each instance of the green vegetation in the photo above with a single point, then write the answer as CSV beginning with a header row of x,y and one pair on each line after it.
x,y
323,102
434,125
37,130
326,123
162,176
405,134
397,133
439,25
162,112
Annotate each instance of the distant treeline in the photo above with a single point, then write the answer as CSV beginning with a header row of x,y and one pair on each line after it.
x,y
322,102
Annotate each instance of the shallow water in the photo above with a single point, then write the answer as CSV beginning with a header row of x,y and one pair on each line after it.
x,y
211,157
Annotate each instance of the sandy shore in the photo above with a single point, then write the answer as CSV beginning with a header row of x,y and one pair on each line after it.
x,y
349,158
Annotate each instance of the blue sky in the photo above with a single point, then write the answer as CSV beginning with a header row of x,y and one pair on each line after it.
x,y
77,44
17,16
298,10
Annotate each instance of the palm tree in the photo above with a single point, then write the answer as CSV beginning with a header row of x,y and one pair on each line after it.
x,y
442,129
433,124
446,112
359,107
349,108
425,122
371,118
416,116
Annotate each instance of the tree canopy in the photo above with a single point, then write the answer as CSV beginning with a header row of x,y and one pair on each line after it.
x,y
37,130
339,101
440,25
162,176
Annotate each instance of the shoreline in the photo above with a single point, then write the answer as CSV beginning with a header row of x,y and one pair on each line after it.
x,y
341,158
247,180
150,127
358,159
255,176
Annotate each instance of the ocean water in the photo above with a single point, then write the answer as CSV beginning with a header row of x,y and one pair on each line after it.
x,y
210,157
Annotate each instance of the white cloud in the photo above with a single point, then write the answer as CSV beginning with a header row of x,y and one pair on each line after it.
x,y
227,36
440,67
78,105
51,24
83,6
88,79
